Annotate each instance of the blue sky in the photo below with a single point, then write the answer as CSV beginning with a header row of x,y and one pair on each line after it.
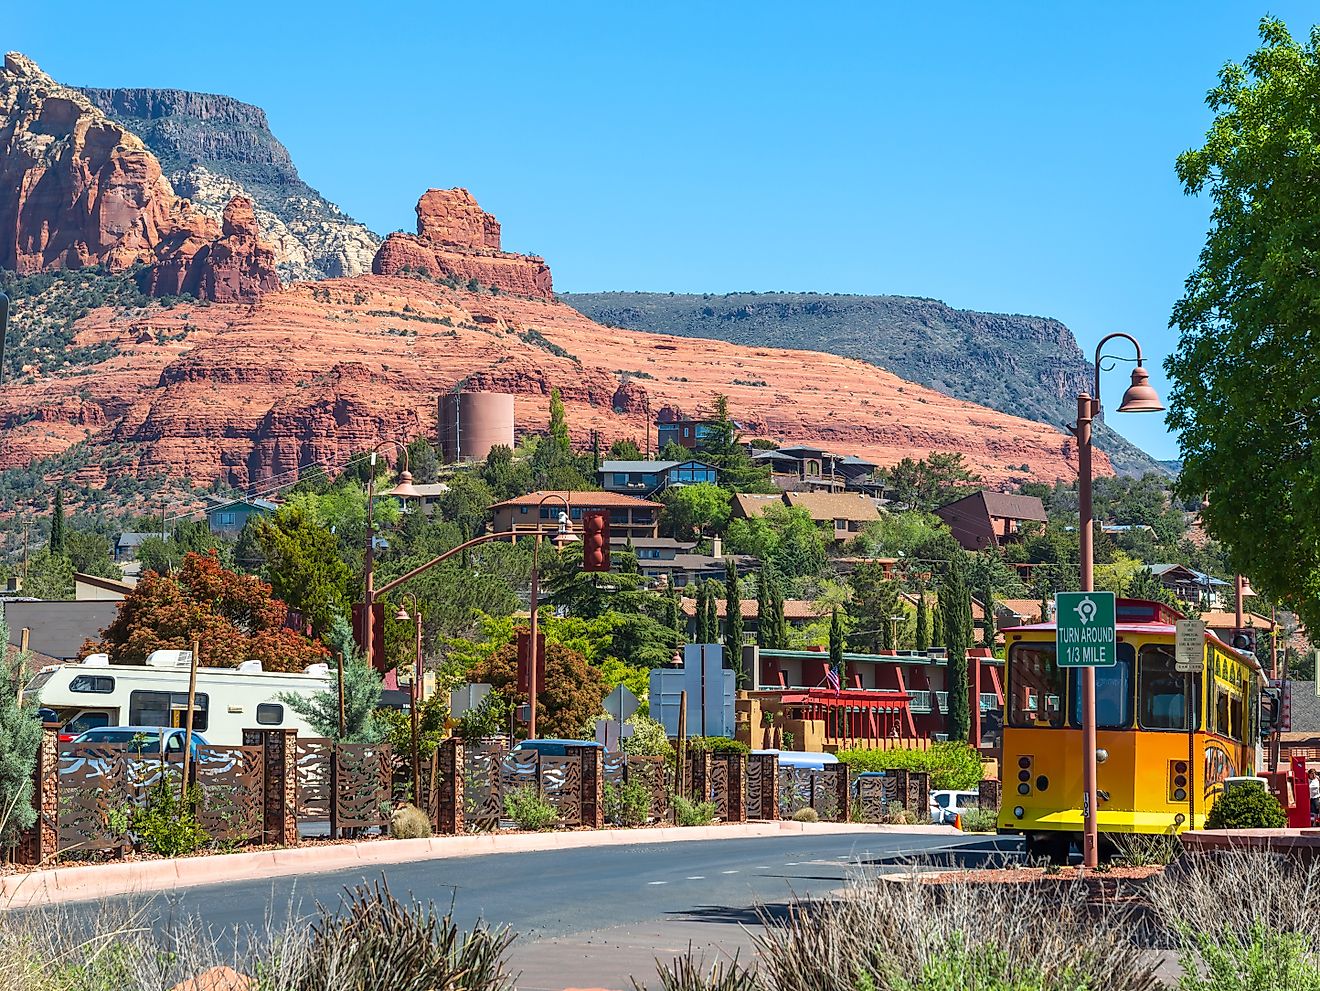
x,y
1008,157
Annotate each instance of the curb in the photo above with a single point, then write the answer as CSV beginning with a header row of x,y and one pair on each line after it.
x,y
90,882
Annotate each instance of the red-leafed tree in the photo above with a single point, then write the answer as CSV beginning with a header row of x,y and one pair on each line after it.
x,y
234,617
573,694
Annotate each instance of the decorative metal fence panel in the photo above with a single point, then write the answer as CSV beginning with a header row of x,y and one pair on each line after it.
x,y
232,785
89,792
615,768
657,776
811,788
825,792
561,786
313,794
483,802
719,789
875,795
362,778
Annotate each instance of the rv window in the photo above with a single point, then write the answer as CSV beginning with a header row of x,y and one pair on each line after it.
x,y
99,683
270,714
166,709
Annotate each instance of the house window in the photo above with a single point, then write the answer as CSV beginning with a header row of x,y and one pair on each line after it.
x,y
841,524
523,509
687,431
227,519
619,516
620,478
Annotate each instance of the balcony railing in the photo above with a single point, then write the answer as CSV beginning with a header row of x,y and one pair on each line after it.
x,y
920,701
943,699
989,701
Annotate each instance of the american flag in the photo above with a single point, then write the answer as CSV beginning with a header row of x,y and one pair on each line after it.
x,y
832,677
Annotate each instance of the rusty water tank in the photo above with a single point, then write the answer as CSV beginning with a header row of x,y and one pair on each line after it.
x,y
471,423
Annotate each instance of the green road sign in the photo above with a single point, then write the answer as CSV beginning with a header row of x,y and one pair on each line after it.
x,y
1085,635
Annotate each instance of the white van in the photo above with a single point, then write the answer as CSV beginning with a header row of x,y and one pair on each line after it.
x,y
95,693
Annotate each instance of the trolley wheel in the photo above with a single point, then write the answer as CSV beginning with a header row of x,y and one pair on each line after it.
x,y
1055,848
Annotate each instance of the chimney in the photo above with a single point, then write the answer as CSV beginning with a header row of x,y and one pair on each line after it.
x,y
716,547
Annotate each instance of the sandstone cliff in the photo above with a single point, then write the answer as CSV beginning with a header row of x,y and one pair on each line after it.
x,y
77,189
214,148
457,240
322,370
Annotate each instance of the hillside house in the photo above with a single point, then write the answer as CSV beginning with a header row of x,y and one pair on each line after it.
x,y
646,478
667,561
844,513
227,517
797,614
629,516
990,519
673,428
127,544
1189,585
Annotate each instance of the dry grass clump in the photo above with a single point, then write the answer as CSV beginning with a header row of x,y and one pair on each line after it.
x,y
409,823
806,814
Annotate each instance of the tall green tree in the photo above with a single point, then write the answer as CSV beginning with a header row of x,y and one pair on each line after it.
x,y
931,482
836,642
780,622
304,566
704,634
937,631
765,608
693,510
362,692
722,446
57,524
20,736
712,610
923,619
733,620
1245,400
875,600
988,600
955,607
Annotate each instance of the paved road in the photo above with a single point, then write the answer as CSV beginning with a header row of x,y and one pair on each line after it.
x,y
592,917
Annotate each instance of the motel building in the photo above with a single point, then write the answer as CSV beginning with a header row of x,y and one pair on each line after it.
x,y
895,700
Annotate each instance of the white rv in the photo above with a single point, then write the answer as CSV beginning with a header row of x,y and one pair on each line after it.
x,y
96,693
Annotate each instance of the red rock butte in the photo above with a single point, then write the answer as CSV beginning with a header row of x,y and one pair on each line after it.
x,y
456,239
76,189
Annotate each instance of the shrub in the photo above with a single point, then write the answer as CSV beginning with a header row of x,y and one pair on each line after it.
x,y
979,820
409,823
807,814
688,813
378,935
952,766
716,745
897,815
529,810
1144,849
648,739
1246,807
1266,960
166,826
628,804
688,973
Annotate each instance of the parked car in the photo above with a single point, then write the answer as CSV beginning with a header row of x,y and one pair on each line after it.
x,y
144,739
555,748
808,759
945,806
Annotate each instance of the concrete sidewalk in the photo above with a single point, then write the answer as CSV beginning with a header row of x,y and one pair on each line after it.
x,y
91,882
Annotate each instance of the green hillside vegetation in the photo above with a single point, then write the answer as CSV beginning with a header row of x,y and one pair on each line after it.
x,y
1023,365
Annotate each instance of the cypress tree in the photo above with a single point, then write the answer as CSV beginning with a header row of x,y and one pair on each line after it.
x,y
956,608
703,621
923,620
675,614
733,621
780,623
712,612
937,634
988,598
57,525
836,643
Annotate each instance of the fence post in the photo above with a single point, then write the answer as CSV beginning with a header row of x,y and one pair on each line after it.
x,y
592,770
842,793
280,775
768,765
41,842
736,783
700,764
449,786
335,832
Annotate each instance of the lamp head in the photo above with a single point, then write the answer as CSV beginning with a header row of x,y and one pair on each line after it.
x,y
402,615
405,488
1140,396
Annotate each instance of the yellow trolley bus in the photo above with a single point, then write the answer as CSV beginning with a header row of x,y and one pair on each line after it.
x,y
1163,753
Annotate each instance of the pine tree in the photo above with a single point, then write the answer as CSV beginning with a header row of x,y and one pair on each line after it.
x,y
765,609
57,525
780,622
20,738
923,620
733,621
956,607
674,605
362,690
937,632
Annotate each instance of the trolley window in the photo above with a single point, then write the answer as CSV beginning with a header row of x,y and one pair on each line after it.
x,y
166,709
1113,693
270,714
1035,684
101,684
1161,691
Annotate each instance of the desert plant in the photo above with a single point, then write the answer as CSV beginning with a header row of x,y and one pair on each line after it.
x,y
409,823
886,936
689,973
1267,961
529,810
1246,807
1146,849
806,814
628,803
166,826
689,813
377,941
979,820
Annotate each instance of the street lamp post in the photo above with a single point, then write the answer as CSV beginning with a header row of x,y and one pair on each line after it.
x,y
404,488
1139,398
402,615
533,603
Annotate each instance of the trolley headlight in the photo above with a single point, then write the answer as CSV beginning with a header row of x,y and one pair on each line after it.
x,y
1180,794
1019,811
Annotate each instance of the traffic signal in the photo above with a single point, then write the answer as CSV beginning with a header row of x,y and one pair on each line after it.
x,y
595,541
525,661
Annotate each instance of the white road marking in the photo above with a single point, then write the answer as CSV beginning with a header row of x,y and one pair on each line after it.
x,y
698,877
657,882
728,872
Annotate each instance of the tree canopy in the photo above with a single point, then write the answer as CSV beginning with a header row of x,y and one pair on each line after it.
x,y
1245,399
